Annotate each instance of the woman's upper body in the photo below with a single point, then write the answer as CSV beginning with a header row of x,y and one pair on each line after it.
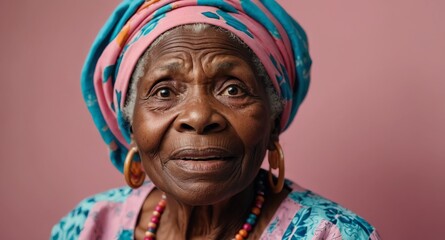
x,y
300,215
192,94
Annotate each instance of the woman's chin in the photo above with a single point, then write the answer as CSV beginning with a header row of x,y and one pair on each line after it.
x,y
202,182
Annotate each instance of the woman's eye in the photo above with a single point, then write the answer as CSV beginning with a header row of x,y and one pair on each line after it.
x,y
163,93
233,90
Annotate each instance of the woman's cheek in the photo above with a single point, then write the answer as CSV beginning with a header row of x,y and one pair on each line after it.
x,y
149,130
254,126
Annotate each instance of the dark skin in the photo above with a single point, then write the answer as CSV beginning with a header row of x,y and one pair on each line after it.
x,y
202,126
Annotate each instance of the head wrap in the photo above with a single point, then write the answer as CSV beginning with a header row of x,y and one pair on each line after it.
x,y
274,36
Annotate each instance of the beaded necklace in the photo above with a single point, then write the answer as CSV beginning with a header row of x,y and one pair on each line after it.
x,y
242,234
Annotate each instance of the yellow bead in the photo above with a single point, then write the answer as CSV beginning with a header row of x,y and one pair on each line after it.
x,y
149,234
152,225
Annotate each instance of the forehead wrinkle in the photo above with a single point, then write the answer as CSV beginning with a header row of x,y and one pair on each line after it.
x,y
168,61
202,58
215,63
170,67
192,42
224,66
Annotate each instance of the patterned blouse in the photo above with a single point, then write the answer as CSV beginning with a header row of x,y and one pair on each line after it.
x,y
302,215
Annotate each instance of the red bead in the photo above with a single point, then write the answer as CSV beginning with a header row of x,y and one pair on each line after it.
x,y
149,238
155,220
247,227
160,209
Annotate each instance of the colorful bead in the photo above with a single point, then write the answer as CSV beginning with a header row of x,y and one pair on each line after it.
x,y
155,219
239,237
243,233
162,203
152,225
251,221
159,209
256,210
247,227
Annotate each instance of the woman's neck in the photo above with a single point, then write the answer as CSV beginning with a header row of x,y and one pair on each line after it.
x,y
218,221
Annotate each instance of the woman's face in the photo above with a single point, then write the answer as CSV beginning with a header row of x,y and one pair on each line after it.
x,y
202,118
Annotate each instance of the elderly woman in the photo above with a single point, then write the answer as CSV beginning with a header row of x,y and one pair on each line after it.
x,y
193,94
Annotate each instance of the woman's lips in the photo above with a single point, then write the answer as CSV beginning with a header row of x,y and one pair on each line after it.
x,y
202,166
201,154
202,160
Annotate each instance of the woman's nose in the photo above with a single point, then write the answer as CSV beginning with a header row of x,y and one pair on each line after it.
x,y
200,117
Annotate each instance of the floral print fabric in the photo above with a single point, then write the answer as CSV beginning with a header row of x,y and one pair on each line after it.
x,y
302,215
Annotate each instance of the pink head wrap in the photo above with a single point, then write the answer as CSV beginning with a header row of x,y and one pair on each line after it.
x,y
276,39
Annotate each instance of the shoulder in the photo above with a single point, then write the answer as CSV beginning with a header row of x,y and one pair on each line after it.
x,y
95,207
311,216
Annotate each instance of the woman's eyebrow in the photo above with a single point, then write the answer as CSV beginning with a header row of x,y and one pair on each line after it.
x,y
225,66
171,67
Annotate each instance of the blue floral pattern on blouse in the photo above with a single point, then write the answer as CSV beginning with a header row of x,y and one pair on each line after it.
x,y
316,209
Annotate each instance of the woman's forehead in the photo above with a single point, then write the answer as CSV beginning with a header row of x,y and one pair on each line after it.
x,y
204,43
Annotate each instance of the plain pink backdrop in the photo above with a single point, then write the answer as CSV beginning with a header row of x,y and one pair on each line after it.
x,y
370,135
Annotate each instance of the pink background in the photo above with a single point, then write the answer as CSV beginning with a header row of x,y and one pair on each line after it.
x,y
370,135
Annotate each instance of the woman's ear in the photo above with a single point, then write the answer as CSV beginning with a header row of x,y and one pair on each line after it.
x,y
275,132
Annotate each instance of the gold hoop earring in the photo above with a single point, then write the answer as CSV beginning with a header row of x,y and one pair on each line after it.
x,y
276,160
134,176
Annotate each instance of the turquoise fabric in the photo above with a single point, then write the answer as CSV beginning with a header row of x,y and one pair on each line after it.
x,y
107,34
71,225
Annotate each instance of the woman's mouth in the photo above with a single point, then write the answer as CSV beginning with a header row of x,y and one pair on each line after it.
x,y
202,160
205,166
201,154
